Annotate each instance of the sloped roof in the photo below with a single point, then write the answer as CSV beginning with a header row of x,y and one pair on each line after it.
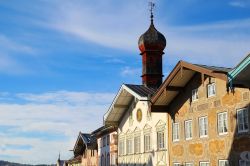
x,y
141,90
177,80
240,75
126,95
84,140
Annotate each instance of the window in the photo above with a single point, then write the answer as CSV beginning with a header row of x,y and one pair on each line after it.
x,y
222,123
137,144
223,163
195,94
108,139
203,125
160,140
242,120
129,146
211,91
188,129
108,160
244,163
188,164
176,135
176,164
204,163
121,147
103,141
147,146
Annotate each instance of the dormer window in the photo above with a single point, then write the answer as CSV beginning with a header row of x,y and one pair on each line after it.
x,y
211,91
195,94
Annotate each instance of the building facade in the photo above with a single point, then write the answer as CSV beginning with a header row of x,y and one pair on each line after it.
x,y
208,124
85,151
142,137
107,146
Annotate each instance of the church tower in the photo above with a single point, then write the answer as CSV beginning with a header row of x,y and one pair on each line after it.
x,y
151,45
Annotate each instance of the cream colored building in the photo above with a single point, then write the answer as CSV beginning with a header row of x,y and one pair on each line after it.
x,y
142,136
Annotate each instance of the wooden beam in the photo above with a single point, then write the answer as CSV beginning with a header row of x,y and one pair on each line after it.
x,y
120,106
174,88
159,108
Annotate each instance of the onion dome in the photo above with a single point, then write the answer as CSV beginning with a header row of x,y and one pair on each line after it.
x,y
152,39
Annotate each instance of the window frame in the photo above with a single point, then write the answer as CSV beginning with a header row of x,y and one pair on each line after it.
x,y
189,164
218,123
147,147
223,161
174,125
190,129
213,85
205,126
137,144
176,164
160,140
204,162
195,95
129,145
245,110
245,162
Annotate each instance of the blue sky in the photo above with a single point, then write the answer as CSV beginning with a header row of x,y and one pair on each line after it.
x,y
61,62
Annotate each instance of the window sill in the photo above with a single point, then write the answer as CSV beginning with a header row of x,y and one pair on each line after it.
x,y
221,134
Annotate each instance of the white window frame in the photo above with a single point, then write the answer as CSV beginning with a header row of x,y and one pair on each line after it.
x,y
204,162
195,95
222,130
243,163
189,164
160,139
147,142
176,164
129,145
224,162
137,144
121,147
243,116
188,130
203,126
176,132
211,89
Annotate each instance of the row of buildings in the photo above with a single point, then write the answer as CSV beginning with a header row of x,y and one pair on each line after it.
x,y
198,116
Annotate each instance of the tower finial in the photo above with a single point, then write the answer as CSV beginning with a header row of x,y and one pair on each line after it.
x,y
152,6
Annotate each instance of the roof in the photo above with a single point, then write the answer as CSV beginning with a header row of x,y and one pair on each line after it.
x,y
182,73
77,159
215,68
83,141
103,130
141,90
240,75
126,95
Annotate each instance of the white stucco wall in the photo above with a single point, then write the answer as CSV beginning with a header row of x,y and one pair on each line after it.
x,y
131,127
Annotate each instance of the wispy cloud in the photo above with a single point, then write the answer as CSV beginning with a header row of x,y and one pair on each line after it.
x,y
129,71
240,3
62,113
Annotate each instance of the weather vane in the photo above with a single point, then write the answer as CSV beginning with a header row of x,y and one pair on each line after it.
x,y
151,9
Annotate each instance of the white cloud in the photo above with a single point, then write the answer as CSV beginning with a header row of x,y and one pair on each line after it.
x,y
8,58
61,113
128,71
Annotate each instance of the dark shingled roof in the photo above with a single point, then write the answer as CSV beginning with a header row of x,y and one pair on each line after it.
x,y
88,139
215,68
141,90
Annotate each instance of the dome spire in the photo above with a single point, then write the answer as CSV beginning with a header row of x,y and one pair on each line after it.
x,y
152,6
151,44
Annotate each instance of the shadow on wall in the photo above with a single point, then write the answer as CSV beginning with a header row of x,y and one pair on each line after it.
x,y
240,148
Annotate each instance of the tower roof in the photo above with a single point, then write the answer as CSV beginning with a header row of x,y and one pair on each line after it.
x,y
152,40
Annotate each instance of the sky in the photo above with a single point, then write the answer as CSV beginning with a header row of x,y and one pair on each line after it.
x,y
62,62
